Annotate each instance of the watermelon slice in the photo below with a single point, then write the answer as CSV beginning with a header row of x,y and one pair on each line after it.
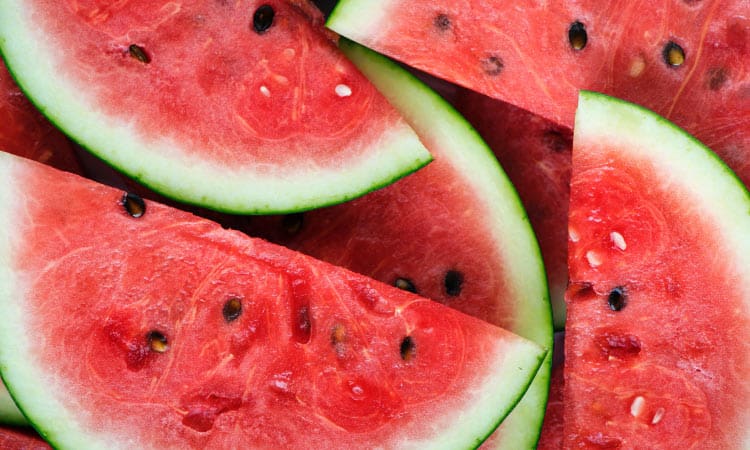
x,y
455,232
236,106
687,60
176,333
656,344
25,132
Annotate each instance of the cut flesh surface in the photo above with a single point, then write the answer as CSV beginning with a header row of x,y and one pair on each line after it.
x,y
194,101
455,232
657,350
163,330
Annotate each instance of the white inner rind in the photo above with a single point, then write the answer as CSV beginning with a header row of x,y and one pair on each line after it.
x,y
361,20
680,160
165,167
512,235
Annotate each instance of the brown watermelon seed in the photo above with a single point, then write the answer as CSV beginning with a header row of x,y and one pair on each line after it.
x,y
232,309
292,223
139,53
453,281
673,54
577,36
717,78
405,284
133,204
442,22
407,348
338,334
616,299
157,341
492,65
303,324
263,18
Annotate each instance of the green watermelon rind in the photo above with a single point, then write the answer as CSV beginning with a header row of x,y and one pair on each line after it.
x,y
9,412
427,112
395,154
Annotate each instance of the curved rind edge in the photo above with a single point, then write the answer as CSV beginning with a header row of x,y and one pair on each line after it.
x,y
471,155
400,151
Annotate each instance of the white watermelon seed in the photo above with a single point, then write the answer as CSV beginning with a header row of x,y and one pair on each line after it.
x,y
593,258
265,91
573,235
618,240
636,408
637,66
658,415
343,90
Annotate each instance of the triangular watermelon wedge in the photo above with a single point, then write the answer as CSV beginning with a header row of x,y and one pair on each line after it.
x,y
657,353
245,107
128,324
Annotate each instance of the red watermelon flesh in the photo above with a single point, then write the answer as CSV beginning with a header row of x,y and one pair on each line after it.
x,y
657,354
178,333
687,60
552,430
21,439
535,153
25,132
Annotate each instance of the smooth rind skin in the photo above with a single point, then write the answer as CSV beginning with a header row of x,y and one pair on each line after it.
x,y
37,389
683,161
428,113
189,179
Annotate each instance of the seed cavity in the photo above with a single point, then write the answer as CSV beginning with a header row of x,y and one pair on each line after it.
x,y
593,258
453,282
717,78
232,309
442,22
616,299
557,140
405,284
343,90
492,65
618,346
292,223
157,341
636,408
263,18
408,348
658,415
133,204
618,240
577,36
139,53
673,54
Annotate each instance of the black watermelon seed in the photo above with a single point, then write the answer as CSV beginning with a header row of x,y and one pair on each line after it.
x,y
454,281
673,54
133,204
232,309
557,140
717,78
616,299
577,35
139,53
157,341
405,284
442,22
263,18
292,223
407,348
492,65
